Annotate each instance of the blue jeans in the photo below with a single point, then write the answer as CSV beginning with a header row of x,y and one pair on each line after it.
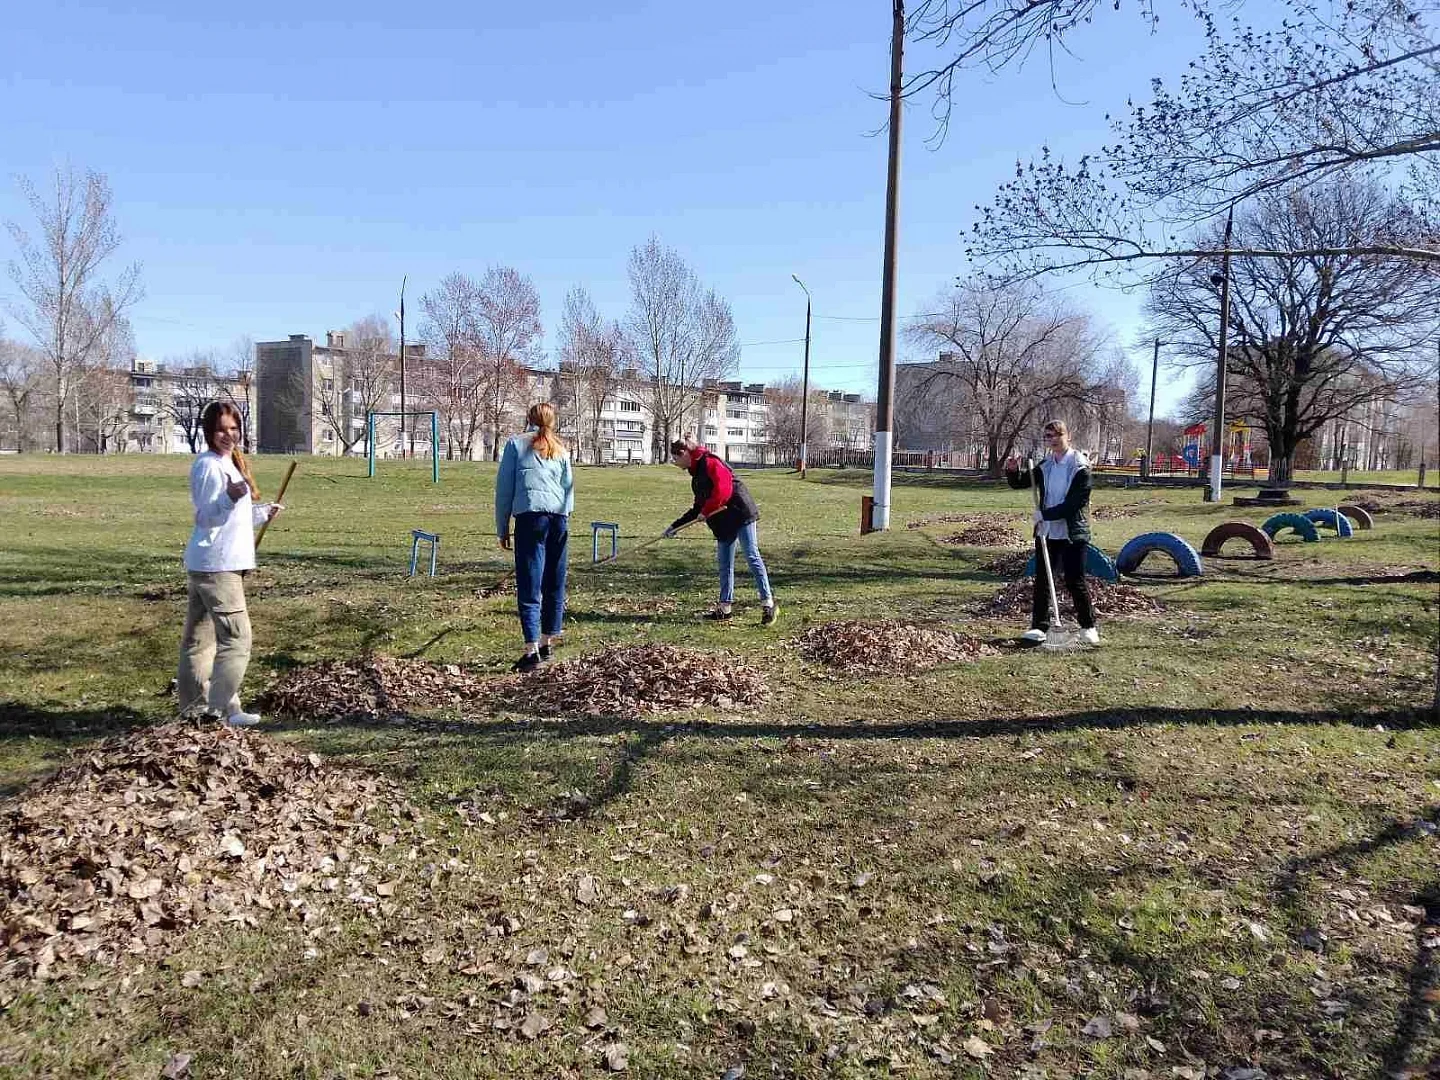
x,y
540,563
725,559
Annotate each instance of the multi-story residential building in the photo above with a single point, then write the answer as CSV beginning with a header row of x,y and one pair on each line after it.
x,y
850,421
167,400
732,421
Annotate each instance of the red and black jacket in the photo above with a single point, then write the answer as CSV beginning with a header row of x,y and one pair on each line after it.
x,y
720,496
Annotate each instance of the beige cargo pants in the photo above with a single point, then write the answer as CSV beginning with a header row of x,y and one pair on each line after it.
x,y
215,646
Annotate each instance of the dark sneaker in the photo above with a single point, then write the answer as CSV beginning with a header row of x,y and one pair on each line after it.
x,y
529,662
544,653
770,614
718,615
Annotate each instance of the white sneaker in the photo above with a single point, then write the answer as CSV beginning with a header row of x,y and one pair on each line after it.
x,y
1090,636
242,719
1033,637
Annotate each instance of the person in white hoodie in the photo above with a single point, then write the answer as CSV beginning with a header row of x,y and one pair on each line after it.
x,y
215,646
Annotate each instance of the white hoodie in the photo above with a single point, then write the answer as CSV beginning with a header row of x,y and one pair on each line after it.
x,y
224,535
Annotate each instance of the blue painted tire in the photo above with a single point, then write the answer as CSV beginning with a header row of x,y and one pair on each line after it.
x,y
1332,520
1187,559
1299,522
1097,565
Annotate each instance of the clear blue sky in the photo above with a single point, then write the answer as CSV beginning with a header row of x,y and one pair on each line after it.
x,y
278,167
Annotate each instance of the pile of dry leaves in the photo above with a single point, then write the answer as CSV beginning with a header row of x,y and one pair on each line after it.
x,y
1107,599
147,834
887,646
373,686
1011,564
961,519
626,680
987,534
1421,508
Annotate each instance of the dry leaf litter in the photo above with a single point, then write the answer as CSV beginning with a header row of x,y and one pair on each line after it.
x,y
372,686
962,519
887,646
1012,564
1014,598
145,835
626,680
987,534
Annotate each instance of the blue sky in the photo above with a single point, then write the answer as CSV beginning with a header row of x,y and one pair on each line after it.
x,y
278,168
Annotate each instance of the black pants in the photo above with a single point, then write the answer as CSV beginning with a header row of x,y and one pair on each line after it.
x,y
1069,558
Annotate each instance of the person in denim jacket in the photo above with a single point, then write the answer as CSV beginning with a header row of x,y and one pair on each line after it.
x,y
537,489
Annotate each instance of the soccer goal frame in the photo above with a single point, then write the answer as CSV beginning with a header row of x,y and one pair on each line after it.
x,y
434,440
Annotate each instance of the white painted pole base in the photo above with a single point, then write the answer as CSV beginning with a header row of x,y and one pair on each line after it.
x,y
880,512
1217,469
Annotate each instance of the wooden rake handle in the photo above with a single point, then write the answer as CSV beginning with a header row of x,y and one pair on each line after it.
x,y
279,497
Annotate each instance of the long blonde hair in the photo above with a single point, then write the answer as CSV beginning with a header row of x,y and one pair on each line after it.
x,y
545,442
210,423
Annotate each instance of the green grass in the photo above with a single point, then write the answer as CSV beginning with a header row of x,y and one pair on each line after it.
x,y
1401,477
1000,850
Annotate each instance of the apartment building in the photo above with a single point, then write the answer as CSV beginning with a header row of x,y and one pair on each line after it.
x,y
166,402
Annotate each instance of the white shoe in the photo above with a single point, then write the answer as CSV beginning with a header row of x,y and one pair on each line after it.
x,y
1033,637
1090,636
242,719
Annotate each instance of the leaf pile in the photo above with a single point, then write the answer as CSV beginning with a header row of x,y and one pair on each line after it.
x,y
627,680
961,519
1107,599
373,686
1012,564
1421,508
987,534
887,646
148,834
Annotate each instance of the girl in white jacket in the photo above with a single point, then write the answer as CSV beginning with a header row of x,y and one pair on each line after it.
x,y
215,646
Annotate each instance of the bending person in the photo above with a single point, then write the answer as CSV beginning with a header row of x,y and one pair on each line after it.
x,y
215,645
536,488
725,504
1063,477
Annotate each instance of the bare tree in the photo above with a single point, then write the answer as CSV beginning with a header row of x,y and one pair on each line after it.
x,y
360,380
1320,97
190,385
782,420
1311,337
680,333
507,336
237,385
450,380
67,308
591,354
21,370
1018,354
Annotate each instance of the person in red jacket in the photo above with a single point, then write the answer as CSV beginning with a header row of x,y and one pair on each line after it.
x,y
726,505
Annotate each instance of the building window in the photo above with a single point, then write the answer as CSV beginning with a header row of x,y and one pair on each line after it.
x,y
735,432
736,414
710,430
629,406
328,386
328,436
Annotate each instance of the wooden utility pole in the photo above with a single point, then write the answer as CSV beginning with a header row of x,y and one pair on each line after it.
x,y
401,314
804,387
1217,444
884,397
1150,427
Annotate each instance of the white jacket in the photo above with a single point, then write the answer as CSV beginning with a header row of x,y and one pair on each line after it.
x,y
224,535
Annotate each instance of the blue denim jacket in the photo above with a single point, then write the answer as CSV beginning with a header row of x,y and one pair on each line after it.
x,y
529,483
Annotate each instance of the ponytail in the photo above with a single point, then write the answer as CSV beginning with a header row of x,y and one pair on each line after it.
x,y
238,459
545,442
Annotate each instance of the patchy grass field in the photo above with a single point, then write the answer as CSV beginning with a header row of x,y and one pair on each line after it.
x,y
1208,846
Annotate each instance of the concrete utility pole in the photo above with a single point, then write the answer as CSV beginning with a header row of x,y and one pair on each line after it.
x,y
401,316
1150,427
804,385
884,398
1217,444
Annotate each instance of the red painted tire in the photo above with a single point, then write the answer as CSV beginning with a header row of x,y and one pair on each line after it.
x,y
1262,545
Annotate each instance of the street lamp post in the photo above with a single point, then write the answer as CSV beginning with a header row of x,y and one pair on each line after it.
x,y
1217,445
804,385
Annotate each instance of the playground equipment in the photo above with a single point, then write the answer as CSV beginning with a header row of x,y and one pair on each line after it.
x,y
416,537
1358,515
1187,559
596,528
1097,564
1260,543
434,440
1331,519
1302,525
